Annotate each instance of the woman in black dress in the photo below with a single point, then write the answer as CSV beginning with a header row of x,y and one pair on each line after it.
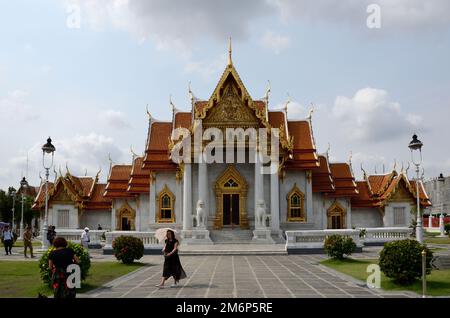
x,y
172,264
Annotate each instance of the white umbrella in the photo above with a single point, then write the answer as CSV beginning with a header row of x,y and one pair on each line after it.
x,y
161,234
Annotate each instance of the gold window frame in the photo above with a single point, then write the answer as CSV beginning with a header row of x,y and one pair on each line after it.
x,y
165,191
296,191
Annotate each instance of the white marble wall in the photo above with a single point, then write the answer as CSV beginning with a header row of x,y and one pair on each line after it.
x,y
388,220
366,217
92,219
73,215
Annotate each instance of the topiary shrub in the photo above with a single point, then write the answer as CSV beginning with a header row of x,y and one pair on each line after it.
x,y
402,261
447,228
128,248
80,252
337,246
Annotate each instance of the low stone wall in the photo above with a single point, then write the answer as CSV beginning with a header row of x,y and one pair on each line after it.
x,y
151,244
74,235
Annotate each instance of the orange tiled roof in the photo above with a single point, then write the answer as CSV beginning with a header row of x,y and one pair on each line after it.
x,y
39,201
183,120
276,119
304,152
157,150
365,198
118,179
139,179
85,192
322,180
344,181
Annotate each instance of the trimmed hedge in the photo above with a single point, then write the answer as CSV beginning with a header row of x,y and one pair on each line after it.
x,y
337,246
80,252
128,248
402,261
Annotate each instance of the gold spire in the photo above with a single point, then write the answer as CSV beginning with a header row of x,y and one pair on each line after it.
x,y
230,61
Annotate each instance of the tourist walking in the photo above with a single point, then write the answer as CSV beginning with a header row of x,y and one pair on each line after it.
x,y
51,234
85,239
27,237
172,265
7,239
58,261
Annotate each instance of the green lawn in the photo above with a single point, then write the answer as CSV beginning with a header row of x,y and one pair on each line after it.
x,y
438,282
437,240
20,244
21,279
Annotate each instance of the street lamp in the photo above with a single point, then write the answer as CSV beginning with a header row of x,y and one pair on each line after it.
x,y
23,187
441,180
13,193
416,157
48,149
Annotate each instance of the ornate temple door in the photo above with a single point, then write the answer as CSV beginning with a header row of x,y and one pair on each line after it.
x,y
230,209
231,198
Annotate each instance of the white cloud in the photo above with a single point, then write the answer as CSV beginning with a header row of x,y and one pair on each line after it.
x,y
207,69
371,116
275,42
174,24
15,107
114,119
80,153
395,14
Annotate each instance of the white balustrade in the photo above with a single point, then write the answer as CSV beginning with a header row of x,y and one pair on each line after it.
x,y
148,238
386,234
74,235
316,238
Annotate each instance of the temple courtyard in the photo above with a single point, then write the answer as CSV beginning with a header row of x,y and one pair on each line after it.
x,y
232,275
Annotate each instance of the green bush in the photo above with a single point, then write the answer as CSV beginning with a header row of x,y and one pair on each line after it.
x,y
447,228
402,261
337,246
128,248
80,252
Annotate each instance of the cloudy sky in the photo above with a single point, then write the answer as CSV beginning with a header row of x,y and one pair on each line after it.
x,y
83,72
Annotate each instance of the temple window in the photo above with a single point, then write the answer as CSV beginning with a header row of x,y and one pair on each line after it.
x,y
296,205
166,213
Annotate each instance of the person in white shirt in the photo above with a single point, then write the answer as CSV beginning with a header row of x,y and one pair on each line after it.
x,y
85,238
8,239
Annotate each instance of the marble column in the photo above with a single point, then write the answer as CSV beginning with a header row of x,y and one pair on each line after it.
x,y
152,199
203,186
113,217
259,181
178,201
275,197
187,197
309,197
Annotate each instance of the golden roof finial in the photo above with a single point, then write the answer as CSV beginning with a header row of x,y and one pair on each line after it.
x,y
98,174
328,152
230,61
350,158
395,165
85,172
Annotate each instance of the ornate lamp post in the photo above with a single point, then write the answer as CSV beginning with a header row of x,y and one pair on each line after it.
x,y
48,149
441,180
23,187
13,222
416,157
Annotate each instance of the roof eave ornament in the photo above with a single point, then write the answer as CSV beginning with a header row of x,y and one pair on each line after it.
x,y
133,153
110,162
364,172
150,118
288,101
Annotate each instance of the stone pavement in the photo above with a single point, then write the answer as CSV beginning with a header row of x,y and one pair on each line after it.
x,y
236,276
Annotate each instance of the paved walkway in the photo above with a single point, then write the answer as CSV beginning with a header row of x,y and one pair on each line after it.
x,y
230,276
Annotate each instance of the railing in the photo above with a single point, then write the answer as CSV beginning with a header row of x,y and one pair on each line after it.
x,y
316,238
95,236
148,238
386,234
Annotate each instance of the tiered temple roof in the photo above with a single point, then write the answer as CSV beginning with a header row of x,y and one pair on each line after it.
x,y
85,192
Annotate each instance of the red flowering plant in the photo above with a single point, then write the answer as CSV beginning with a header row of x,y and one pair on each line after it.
x,y
128,248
